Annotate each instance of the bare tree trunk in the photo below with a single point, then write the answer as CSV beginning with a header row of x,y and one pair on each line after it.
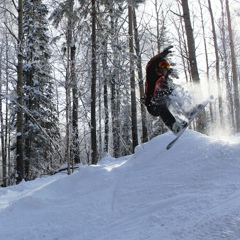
x,y
140,76
19,143
106,123
7,141
182,45
4,130
204,39
75,137
100,151
206,57
68,84
234,70
71,44
190,41
93,87
132,81
201,121
105,97
3,146
68,119
226,68
220,104
115,122
115,88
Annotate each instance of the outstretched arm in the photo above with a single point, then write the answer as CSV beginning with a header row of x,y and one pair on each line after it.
x,y
161,55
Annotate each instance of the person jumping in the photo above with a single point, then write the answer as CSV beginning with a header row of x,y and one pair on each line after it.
x,y
159,91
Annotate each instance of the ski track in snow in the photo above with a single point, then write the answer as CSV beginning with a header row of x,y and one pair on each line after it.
x,y
190,192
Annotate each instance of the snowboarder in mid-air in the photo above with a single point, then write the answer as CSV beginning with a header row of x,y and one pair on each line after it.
x,y
158,91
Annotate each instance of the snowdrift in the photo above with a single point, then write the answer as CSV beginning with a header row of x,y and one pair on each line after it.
x,y
189,192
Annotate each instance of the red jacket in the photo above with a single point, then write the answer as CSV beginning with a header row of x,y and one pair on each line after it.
x,y
154,78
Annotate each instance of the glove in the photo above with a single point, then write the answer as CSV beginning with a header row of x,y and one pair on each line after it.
x,y
166,51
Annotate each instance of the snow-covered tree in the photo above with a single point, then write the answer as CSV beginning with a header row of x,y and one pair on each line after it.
x,y
38,89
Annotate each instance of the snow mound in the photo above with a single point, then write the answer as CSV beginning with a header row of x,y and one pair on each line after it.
x,y
189,192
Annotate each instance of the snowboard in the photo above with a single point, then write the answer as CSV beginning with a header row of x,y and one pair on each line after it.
x,y
199,108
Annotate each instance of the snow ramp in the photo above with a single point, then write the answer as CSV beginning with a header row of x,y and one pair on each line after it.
x,y
189,192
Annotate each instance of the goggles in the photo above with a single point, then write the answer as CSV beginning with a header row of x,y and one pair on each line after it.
x,y
164,64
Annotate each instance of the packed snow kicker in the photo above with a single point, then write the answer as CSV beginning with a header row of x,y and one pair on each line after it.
x,y
190,192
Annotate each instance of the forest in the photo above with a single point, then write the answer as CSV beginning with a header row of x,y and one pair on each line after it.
x,y
72,76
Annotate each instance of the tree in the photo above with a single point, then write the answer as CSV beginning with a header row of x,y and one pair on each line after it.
x,y
224,55
38,90
190,42
2,135
65,14
217,62
115,84
235,78
140,77
201,121
5,117
71,46
132,80
105,90
19,127
93,87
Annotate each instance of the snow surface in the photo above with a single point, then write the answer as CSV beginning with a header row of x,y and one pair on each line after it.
x,y
189,192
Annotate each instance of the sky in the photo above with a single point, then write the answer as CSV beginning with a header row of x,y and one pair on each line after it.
x,y
191,191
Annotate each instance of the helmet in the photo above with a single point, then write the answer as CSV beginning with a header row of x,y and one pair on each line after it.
x,y
164,64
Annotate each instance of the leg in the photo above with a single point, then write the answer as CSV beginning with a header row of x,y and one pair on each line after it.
x,y
163,112
167,117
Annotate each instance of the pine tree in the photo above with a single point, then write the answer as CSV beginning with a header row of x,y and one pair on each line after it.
x,y
38,88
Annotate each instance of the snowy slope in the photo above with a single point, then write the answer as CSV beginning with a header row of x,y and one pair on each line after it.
x,y
189,192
